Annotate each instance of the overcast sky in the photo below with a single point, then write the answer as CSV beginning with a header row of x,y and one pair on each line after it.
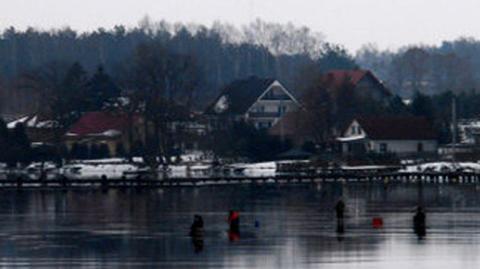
x,y
388,23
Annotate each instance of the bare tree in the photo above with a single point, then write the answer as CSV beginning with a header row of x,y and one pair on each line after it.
x,y
165,82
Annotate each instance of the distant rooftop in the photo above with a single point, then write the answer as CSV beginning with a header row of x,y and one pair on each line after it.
x,y
99,123
238,96
397,128
337,78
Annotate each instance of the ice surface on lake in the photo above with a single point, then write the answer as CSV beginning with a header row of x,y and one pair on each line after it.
x,y
281,228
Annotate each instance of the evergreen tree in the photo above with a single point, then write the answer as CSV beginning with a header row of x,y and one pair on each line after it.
x,y
19,145
3,130
19,136
73,99
101,90
335,57
4,142
422,106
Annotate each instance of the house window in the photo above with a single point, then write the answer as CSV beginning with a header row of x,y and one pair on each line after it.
x,y
282,109
420,147
356,130
264,124
258,109
383,147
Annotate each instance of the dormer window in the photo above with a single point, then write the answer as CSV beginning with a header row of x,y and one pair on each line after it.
x,y
354,129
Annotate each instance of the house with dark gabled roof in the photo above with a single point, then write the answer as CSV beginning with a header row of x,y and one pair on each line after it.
x,y
259,101
389,134
364,83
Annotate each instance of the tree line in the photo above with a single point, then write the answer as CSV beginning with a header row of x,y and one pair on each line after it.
x,y
222,53
452,66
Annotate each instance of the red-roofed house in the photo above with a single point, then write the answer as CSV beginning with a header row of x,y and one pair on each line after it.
x,y
400,135
363,82
105,128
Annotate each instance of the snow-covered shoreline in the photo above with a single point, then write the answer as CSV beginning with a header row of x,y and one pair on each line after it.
x,y
117,168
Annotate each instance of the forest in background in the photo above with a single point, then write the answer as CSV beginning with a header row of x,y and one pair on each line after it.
x,y
452,66
222,53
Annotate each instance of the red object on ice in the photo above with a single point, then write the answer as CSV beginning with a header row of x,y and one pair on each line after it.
x,y
377,223
233,236
233,216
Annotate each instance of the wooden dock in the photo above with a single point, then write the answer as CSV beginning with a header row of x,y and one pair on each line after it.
x,y
385,178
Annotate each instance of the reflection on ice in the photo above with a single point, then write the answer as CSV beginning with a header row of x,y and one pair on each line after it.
x,y
281,227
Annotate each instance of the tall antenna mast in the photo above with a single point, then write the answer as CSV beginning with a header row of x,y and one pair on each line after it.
x,y
454,127
282,113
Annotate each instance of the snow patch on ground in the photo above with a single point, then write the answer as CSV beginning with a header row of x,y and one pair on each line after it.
x,y
443,167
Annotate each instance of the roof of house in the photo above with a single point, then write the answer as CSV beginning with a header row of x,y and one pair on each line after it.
x,y
337,78
237,97
397,128
33,121
99,123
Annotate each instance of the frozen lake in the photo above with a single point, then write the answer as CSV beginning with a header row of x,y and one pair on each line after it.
x,y
148,228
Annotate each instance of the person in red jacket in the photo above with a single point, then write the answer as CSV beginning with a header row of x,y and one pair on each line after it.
x,y
234,221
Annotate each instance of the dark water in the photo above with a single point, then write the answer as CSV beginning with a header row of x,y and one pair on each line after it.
x,y
148,229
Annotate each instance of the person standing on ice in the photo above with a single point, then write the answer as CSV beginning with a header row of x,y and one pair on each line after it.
x,y
340,209
196,230
419,223
234,221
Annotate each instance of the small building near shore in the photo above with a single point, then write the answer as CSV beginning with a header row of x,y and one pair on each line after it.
x,y
113,131
404,136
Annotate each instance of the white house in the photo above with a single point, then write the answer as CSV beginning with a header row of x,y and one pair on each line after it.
x,y
261,102
399,135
